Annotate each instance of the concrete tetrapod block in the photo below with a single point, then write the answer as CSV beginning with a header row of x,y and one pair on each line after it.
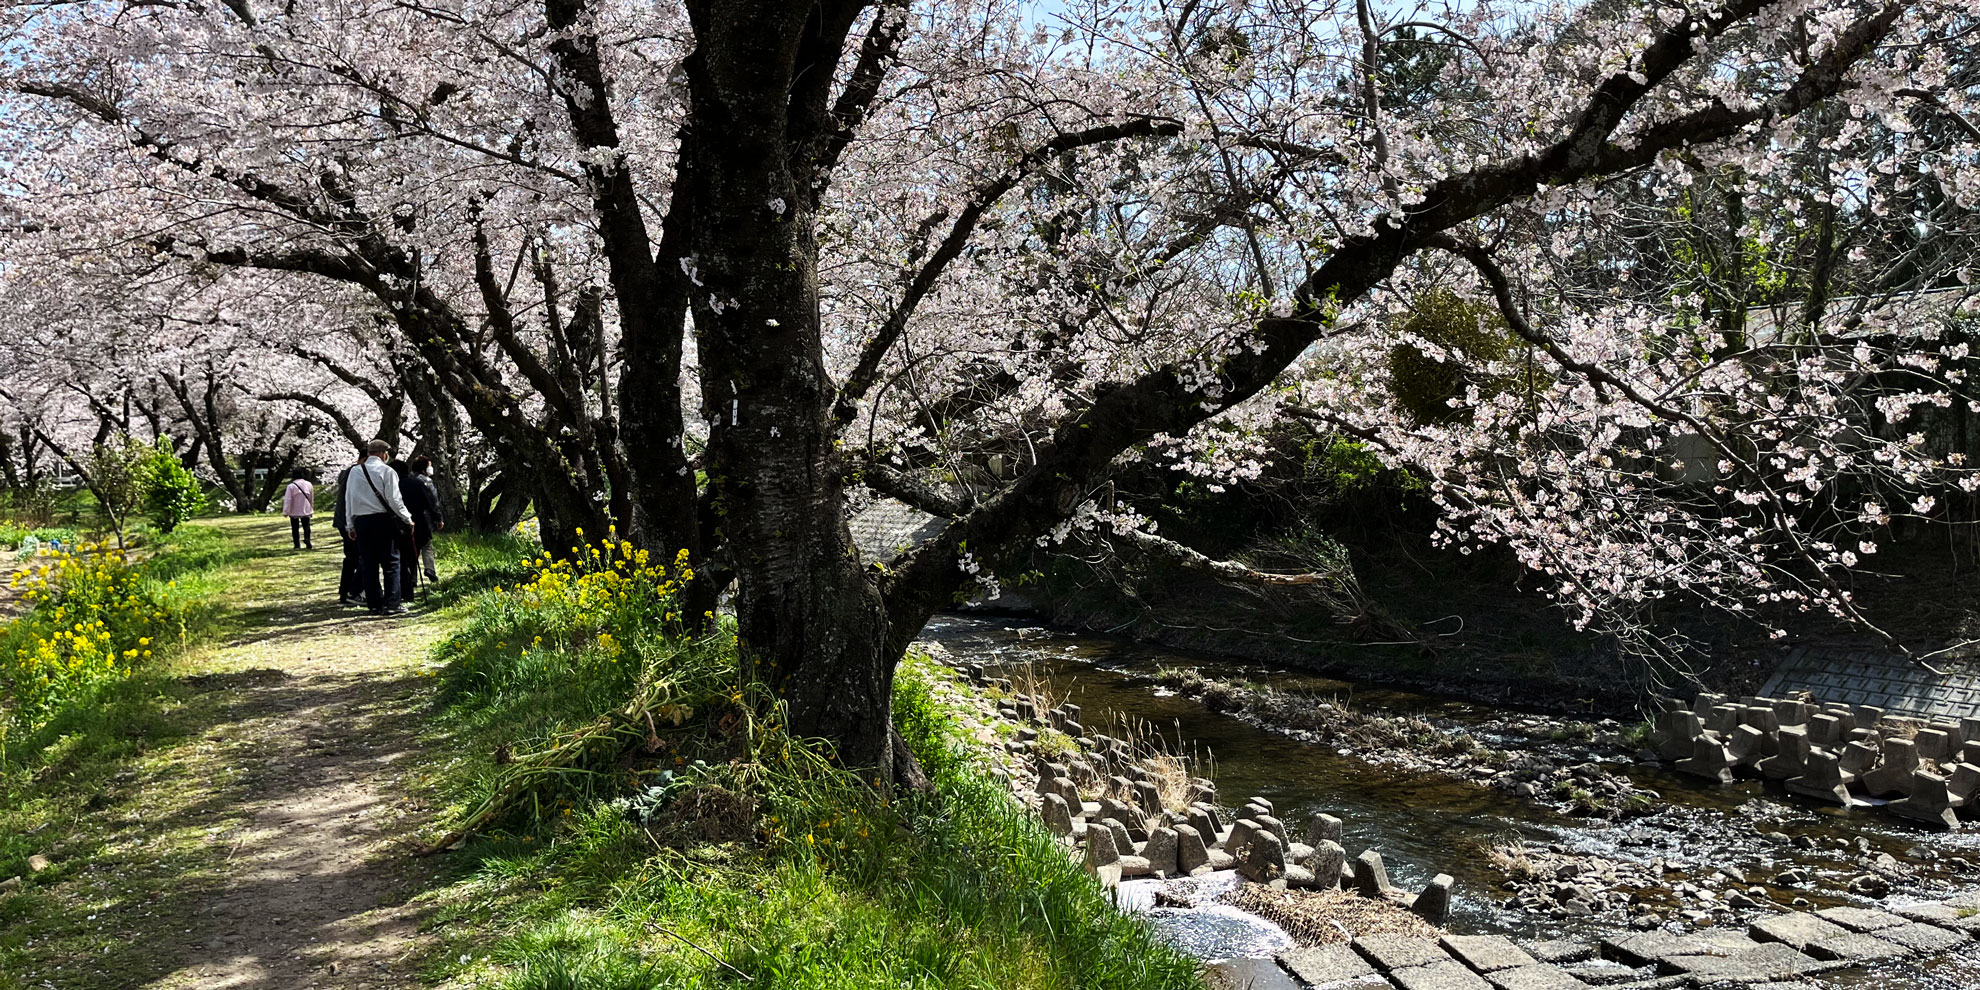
x,y
1336,967
1259,802
1192,855
1486,953
1793,712
1058,818
1709,759
1824,730
1858,758
1100,848
1705,702
1240,837
1748,745
1932,744
1276,827
1327,862
1790,757
1264,859
1928,801
1246,974
1204,823
1371,875
1392,952
1161,852
1824,778
1147,797
1322,828
1963,783
1539,976
1893,776
1867,716
1675,730
1434,903
1722,719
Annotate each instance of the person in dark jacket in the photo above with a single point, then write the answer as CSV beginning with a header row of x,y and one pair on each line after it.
x,y
434,521
350,584
421,508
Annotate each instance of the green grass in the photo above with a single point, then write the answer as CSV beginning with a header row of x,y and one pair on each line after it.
x,y
819,884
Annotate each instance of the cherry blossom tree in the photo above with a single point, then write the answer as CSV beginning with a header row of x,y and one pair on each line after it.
x,y
974,255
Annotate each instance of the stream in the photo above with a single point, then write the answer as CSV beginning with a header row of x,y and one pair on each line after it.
x,y
1425,823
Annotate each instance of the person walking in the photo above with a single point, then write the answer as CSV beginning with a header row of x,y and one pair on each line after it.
x,y
350,582
415,497
299,504
376,513
434,521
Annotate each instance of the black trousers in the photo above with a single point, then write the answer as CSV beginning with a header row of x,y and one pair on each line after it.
x,y
350,583
299,532
378,547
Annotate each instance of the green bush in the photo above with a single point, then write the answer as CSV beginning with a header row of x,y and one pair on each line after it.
x,y
1470,334
172,494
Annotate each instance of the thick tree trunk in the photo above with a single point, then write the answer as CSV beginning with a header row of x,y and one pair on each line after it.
x,y
809,616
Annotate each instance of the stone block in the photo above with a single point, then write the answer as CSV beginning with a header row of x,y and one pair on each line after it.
x,y
1100,848
1264,858
1705,702
1858,919
1646,948
1192,854
1240,837
1246,974
1920,937
1602,972
1797,929
1944,915
1058,818
1486,953
1201,789
1276,827
1793,712
1539,976
1327,861
1855,948
1771,961
1561,950
1371,875
1858,758
1147,797
1161,852
1204,823
1393,952
1331,966
1722,719
1259,802
1749,745
1322,828
1963,783
1445,975
1433,904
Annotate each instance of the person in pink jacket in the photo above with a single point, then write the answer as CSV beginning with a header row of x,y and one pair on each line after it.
x,y
299,503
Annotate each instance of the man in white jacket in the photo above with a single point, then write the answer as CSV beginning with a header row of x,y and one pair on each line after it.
x,y
375,511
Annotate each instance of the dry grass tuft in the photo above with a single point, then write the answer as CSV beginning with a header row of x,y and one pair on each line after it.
x,y
1328,917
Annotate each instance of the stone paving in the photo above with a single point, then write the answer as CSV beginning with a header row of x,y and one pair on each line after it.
x,y
1870,677
1774,953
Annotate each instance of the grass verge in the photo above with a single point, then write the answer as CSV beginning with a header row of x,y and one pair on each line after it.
x,y
714,849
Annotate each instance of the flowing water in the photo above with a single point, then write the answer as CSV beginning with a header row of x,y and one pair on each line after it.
x,y
1425,823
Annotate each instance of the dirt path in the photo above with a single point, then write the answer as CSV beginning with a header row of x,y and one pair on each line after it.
x,y
268,849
